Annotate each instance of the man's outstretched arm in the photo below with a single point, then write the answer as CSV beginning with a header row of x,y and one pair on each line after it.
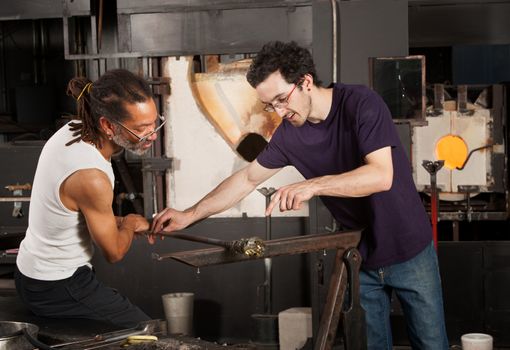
x,y
224,196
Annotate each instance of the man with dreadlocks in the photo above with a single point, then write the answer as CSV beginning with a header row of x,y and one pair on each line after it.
x,y
71,203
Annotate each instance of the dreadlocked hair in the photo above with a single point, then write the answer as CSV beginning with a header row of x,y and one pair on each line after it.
x,y
106,97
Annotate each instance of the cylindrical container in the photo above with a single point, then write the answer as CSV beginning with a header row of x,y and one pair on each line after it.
x,y
178,312
476,341
265,329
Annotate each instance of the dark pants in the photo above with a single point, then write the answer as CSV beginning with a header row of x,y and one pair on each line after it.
x,y
79,296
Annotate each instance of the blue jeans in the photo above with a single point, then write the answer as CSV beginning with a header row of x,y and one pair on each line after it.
x,y
417,285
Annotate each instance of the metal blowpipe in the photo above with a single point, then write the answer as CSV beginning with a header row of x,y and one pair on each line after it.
x,y
253,246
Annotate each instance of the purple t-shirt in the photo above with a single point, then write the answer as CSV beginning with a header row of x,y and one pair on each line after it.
x,y
396,225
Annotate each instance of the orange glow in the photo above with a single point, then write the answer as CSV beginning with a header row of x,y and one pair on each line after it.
x,y
453,150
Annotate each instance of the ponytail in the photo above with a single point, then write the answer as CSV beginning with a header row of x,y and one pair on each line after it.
x,y
87,129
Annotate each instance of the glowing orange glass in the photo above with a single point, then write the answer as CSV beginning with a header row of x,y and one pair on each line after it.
x,y
453,150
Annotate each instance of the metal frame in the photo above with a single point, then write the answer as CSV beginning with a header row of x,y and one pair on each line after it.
x,y
186,28
346,267
487,208
414,121
152,169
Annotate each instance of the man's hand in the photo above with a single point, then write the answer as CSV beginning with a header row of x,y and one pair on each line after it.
x,y
170,220
291,197
135,222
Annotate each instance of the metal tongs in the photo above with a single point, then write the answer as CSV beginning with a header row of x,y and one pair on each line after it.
x,y
102,340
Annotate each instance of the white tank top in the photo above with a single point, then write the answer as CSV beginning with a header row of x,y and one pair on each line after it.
x,y
57,240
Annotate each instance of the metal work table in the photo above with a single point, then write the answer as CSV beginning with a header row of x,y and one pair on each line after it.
x,y
51,330
345,275
57,331
347,264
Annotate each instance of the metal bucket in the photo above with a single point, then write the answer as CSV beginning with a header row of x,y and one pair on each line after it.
x,y
12,336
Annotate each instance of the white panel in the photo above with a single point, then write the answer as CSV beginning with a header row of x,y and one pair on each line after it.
x,y
202,158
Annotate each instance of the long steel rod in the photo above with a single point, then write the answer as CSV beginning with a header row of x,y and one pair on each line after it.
x,y
194,238
14,199
268,264
244,246
268,269
277,247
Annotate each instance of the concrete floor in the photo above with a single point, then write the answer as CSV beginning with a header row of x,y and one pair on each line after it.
x,y
11,309
453,347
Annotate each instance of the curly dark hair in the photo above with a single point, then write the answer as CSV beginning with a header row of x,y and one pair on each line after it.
x,y
107,97
291,60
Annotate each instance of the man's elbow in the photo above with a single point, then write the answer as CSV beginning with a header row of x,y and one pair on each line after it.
x,y
113,260
113,257
386,186
385,181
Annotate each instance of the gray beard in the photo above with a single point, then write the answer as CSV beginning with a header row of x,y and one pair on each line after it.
x,y
135,148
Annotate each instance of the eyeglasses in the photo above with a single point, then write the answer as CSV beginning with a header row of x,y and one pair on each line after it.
x,y
162,121
281,102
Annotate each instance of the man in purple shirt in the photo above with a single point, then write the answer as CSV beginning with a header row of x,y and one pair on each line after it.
x,y
343,141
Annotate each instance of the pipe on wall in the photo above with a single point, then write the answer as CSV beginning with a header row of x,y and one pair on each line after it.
x,y
335,43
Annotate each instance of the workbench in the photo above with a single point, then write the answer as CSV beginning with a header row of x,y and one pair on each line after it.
x,y
56,331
